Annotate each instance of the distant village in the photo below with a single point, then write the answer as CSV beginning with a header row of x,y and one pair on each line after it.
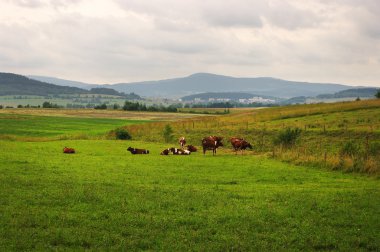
x,y
255,99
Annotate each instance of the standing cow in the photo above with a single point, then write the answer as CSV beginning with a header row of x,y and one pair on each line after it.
x,y
240,144
211,143
182,142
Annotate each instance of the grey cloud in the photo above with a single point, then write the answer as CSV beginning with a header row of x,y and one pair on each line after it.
x,y
28,3
285,15
168,38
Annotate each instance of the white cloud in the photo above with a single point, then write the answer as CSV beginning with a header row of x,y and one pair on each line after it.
x,y
105,41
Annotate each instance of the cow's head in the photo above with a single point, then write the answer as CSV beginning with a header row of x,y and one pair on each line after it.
x,y
129,149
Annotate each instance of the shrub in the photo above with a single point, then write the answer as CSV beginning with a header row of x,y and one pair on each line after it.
x,y
288,137
374,149
350,149
168,133
102,106
122,134
377,95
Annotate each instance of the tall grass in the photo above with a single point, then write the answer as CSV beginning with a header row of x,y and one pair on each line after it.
x,y
325,129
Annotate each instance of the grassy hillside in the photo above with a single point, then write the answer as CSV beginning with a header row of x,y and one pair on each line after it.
x,y
326,130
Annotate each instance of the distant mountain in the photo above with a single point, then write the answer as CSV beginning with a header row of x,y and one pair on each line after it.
x,y
204,82
62,82
14,84
353,92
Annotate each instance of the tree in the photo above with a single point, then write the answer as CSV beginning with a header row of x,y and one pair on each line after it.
x,y
168,133
378,94
102,106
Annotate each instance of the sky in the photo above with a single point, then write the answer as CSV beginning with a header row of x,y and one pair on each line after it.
x,y
112,41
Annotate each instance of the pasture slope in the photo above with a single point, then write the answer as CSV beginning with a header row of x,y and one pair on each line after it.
x,y
104,198
328,132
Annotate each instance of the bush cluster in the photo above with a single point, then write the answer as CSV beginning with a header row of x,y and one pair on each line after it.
x,y
136,106
120,134
288,137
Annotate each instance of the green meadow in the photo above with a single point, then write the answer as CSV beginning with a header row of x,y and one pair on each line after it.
x,y
32,127
104,198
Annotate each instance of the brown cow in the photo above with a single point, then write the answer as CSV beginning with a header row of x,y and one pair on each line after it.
x,y
191,148
240,144
211,143
165,152
68,150
182,142
137,151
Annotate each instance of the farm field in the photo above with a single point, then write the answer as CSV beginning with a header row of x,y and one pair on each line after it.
x,y
94,113
104,198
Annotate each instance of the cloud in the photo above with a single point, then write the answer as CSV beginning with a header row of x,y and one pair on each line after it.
x,y
109,41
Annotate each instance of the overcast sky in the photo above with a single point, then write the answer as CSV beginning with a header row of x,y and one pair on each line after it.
x,y
109,41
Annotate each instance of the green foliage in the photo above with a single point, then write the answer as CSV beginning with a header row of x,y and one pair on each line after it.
x,y
288,137
374,149
136,106
351,149
1,106
122,134
101,106
377,95
47,104
168,133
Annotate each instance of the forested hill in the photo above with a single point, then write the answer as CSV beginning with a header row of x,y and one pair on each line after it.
x,y
14,84
354,92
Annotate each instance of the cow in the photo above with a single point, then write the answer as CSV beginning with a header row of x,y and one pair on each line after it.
x,y
211,143
137,151
182,142
240,144
68,150
176,151
165,152
191,148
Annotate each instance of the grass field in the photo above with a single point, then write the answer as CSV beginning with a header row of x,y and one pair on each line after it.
x,y
42,128
104,198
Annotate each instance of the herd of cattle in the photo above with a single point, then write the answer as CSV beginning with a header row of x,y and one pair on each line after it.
x,y
208,143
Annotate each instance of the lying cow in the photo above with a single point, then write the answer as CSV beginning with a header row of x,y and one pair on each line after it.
x,y
165,152
191,148
176,151
240,144
68,150
137,151
211,143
